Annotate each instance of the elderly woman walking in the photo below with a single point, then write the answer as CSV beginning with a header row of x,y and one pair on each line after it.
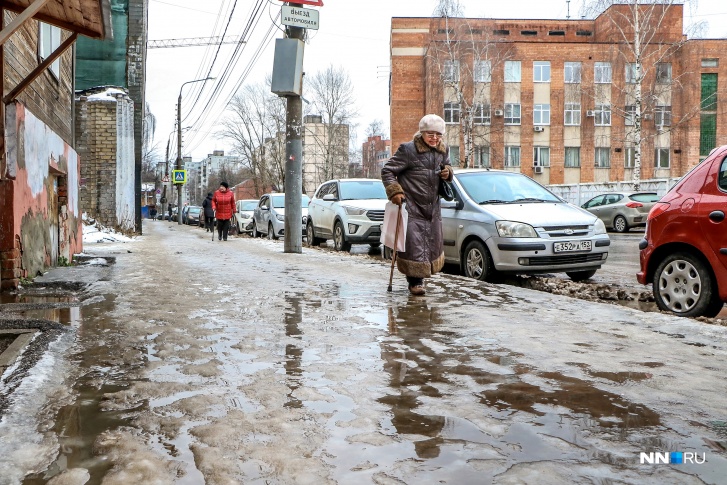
x,y
413,175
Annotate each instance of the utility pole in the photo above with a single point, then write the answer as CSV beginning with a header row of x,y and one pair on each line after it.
x,y
293,242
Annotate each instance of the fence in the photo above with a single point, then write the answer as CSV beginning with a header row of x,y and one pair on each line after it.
x,y
579,193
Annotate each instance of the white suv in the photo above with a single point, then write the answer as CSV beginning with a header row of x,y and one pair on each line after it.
x,y
349,211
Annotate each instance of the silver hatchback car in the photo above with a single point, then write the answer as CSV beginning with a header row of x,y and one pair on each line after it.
x,y
622,210
506,222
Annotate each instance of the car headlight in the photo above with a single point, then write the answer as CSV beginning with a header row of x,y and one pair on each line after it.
x,y
599,227
353,211
514,229
280,217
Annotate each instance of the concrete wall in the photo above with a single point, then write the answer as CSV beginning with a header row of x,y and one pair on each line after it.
x,y
105,141
40,218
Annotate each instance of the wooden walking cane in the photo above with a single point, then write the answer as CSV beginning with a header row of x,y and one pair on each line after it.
x,y
396,240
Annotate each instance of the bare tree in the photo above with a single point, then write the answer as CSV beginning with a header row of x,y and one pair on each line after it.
x,y
448,8
332,98
639,27
375,128
255,127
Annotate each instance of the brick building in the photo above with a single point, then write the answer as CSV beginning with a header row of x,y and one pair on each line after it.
x,y
559,100
374,153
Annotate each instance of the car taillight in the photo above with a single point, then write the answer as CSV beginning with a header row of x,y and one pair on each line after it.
x,y
658,209
634,205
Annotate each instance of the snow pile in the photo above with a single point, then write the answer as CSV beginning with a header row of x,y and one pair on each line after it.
x,y
108,94
95,232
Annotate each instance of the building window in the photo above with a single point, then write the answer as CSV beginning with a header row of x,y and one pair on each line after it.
x,y
572,114
512,156
602,72
483,71
602,115
630,115
512,71
482,156
710,62
572,157
454,155
481,114
572,73
49,38
451,71
541,114
541,71
629,157
631,72
603,157
661,158
663,72
512,114
541,156
451,112
662,115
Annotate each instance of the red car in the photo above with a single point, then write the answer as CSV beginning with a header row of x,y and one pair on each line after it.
x,y
684,250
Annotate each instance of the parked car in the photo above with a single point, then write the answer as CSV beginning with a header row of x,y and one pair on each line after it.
x,y
194,215
349,211
684,250
243,215
506,222
185,209
269,215
174,214
621,211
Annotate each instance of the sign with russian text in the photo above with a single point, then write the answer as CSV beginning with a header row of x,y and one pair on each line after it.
x,y
306,18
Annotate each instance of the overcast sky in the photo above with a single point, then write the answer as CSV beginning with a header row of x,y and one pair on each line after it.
x,y
354,35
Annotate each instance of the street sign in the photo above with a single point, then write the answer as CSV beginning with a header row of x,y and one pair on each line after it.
x,y
315,3
165,179
179,176
159,191
306,18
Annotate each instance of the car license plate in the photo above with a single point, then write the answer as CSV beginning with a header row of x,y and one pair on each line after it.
x,y
569,246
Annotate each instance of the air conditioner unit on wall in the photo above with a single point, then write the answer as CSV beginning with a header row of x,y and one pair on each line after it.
x,y
538,129
647,116
499,112
537,169
590,113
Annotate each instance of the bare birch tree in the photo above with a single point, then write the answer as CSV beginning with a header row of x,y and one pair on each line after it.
x,y
331,97
639,26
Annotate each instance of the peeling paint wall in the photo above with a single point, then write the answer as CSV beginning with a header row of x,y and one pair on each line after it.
x,y
125,174
42,220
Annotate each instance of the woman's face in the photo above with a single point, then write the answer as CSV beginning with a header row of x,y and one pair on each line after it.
x,y
431,138
222,188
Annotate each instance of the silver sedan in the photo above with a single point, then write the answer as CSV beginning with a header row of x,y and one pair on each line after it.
x,y
621,211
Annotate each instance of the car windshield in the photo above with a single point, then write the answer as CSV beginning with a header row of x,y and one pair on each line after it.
x,y
249,206
357,190
646,197
279,201
194,209
503,188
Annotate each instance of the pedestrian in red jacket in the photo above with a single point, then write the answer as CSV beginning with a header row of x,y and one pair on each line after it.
x,y
223,202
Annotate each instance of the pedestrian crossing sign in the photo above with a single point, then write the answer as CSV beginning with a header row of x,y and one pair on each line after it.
x,y
179,176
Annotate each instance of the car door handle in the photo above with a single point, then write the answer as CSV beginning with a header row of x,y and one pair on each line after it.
x,y
716,216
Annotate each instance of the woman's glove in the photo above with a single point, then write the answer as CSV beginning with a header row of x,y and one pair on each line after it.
x,y
445,173
397,199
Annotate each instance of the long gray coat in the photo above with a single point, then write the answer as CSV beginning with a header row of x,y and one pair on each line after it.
x,y
414,171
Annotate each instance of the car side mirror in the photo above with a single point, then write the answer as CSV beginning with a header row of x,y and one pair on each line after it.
x,y
330,198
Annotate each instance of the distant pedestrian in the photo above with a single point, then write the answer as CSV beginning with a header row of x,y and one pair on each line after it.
x,y
413,175
153,212
169,209
209,213
223,202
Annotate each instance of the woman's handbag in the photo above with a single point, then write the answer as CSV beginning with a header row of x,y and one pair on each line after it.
x,y
445,190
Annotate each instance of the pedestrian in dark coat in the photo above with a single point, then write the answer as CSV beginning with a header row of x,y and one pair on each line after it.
x,y
209,213
223,202
413,175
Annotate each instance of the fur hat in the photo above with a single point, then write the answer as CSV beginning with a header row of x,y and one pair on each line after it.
x,y
224,184
432,123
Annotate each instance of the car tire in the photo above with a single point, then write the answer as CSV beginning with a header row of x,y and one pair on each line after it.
x,y
684,285
620,224
477,262
310,237
581,275
271,231
375,245
339,238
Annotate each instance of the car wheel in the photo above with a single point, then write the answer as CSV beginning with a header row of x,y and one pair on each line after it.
x,y
375,245
255,232
580,275
339,238
684,286
477,262
620,224
310,237
271,231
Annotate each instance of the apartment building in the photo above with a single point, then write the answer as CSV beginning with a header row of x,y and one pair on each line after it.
x,y
563,101
375,151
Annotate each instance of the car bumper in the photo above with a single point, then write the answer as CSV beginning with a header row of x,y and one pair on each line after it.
x,y
528,255
364,235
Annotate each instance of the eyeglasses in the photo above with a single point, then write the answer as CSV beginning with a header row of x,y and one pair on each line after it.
x,y
432,134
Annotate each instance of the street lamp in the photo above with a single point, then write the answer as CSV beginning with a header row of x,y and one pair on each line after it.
x,y
179,144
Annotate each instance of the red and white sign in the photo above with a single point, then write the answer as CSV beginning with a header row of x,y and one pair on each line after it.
x,y
315,3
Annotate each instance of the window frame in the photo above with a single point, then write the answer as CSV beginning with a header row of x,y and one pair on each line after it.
x,y
599,70
567,150
661,76
509,150
510,73
630,115
450,71
453,150
630,74
513,118
571,71
480,115
572,111
629,157
541,71
483,74
538,152
659,153
479,150
662,113
49,39
542,111
600,114
451,111
598,160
